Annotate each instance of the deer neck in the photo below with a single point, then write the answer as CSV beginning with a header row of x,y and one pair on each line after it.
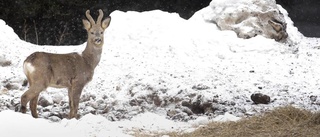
x,y
92,55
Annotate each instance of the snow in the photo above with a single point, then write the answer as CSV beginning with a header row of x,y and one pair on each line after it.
x,y
151,63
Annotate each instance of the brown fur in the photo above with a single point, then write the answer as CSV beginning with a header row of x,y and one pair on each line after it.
x,y
72,71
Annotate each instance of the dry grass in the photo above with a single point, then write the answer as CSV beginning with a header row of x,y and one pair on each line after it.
x,y
282,122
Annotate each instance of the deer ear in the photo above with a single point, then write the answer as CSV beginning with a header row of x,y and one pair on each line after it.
x,y
86,24
106,22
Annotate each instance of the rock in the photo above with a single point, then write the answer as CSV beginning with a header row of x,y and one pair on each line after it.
x,y
200,87
17,108
60,115
54,119
15,101
56,109
136,102
180,117
186,104
112,117
157,101
87,97
10,86
4,62
187,111
219,109
99,104
57,98
25,83
46,114
198,106
264,19
107,110
45,101
259,98
172,112
90,110
177,114
313,98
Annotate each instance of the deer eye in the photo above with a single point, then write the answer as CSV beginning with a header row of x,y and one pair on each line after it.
x,y
92,33
101,32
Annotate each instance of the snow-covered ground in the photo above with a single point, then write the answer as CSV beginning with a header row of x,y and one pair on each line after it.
x,y
160,73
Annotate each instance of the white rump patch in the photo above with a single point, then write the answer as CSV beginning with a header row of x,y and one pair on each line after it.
x,y
80,54
28,68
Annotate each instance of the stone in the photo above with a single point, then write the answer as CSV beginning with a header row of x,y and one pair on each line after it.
x,y
45,101
264,19
4,62
313,98
58,97
200,87
54,119
10,86
259,98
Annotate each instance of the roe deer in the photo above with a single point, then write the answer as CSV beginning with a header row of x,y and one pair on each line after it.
x,y
72,71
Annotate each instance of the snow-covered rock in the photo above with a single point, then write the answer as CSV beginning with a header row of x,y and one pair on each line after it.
x,y
247,18
45,100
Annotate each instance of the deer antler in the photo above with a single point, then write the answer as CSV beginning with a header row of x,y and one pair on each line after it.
x,y
100,17
89,17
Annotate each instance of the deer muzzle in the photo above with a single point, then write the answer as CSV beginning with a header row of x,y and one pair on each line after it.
x,y
97,41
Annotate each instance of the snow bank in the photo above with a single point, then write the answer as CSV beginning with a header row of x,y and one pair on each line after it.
x,y
19,125
88,126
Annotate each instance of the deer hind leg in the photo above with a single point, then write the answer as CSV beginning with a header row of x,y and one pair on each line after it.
x,y
31,94
74,94
33,106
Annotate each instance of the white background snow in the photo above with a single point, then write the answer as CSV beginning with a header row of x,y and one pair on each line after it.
x,y
170,55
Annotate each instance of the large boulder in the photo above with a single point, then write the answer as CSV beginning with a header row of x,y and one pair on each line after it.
x,y
247,18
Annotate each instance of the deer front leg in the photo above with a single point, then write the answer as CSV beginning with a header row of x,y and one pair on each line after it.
x,y
74,94
33,106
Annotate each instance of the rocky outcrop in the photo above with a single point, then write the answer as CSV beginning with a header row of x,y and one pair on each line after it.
x,y
247,21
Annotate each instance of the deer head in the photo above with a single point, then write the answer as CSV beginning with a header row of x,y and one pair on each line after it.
x,y
96,29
